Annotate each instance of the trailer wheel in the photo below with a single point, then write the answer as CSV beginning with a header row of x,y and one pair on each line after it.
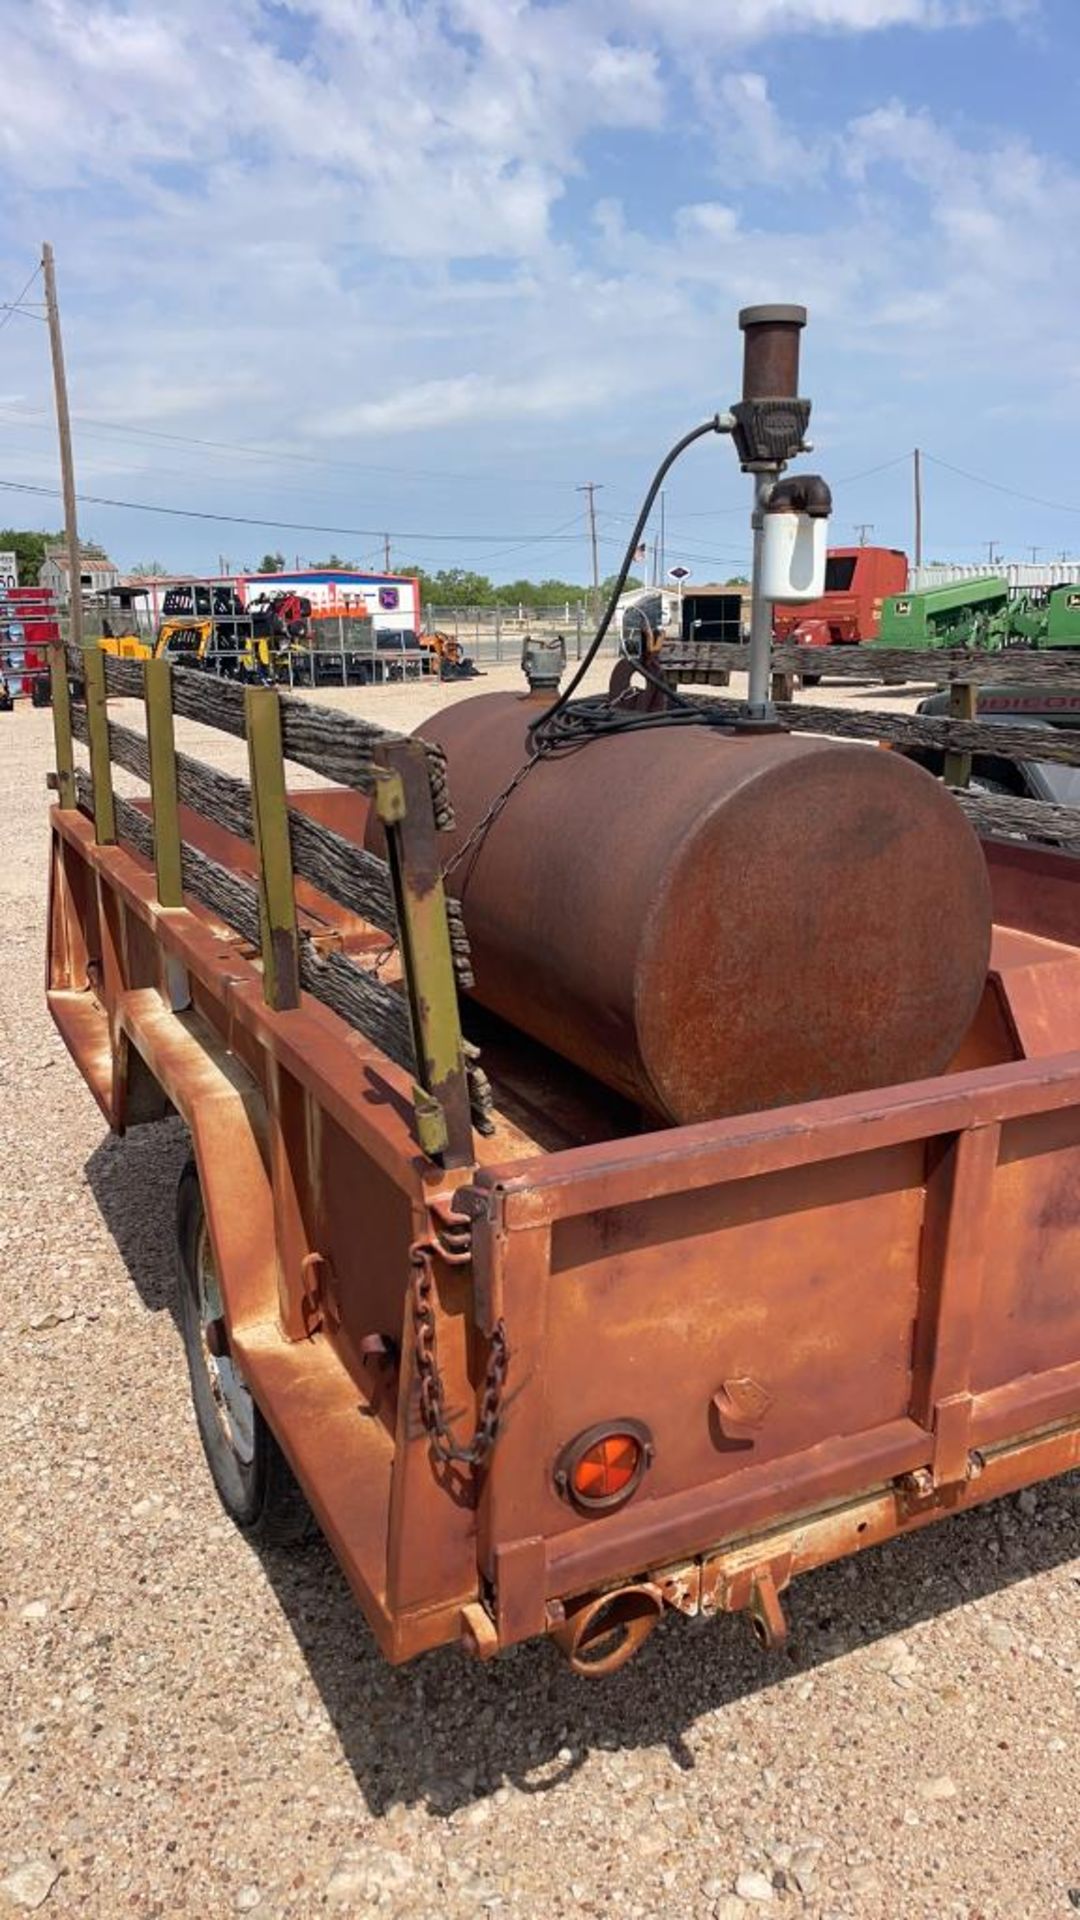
x,y
254,1481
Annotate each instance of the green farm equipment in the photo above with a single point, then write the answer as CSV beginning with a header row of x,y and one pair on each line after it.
x,y
981,613
1063,618
966,613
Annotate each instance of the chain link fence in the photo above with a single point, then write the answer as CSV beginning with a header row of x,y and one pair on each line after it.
x,y
335,650
492,634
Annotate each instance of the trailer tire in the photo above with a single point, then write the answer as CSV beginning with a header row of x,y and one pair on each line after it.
x,y
254,1481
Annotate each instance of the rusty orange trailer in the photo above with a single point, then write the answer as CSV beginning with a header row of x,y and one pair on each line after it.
x,y
534,1370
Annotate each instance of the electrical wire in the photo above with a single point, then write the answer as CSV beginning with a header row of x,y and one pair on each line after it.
x,y
14,305
541,730
286,526
1014,493
38,421
560,727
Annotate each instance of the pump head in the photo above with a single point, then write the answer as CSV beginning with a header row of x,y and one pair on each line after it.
x,y
770,419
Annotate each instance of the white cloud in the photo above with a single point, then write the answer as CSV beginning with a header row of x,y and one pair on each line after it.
x,y
332,222
734,21
470,398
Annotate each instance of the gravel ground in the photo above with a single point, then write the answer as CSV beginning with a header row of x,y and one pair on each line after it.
x,y
189,1727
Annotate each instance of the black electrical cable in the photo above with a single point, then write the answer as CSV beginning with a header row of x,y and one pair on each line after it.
x,y
562,727
541,727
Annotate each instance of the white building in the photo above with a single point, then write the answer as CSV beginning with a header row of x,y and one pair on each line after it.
x,y
391,599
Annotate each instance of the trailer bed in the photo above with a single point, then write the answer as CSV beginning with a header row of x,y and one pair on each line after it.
x,y
832,1322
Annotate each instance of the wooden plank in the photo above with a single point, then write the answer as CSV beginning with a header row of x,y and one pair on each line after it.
x,y
161,755
338,745
365,1002
342,870
1057,667
97,727
270,831
1060,745
993,813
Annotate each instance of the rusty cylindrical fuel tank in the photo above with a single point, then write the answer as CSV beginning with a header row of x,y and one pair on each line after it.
x,y
714,923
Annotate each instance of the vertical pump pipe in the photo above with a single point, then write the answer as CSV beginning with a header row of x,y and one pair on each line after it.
x,y
770,376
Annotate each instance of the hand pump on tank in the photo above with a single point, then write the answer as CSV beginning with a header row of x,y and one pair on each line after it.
x,y
789,516
768,426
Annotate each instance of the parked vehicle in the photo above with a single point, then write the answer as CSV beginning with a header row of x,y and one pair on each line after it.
x,y
634,1156
1045,710
857,582
533,1369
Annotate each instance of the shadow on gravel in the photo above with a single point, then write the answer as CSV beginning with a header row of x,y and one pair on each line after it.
x,y
446,1731
133,1181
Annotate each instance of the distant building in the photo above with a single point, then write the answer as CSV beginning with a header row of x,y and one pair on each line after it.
x,y
391,599
96,573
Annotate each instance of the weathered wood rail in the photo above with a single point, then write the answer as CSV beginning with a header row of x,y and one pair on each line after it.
x,y
359,997
875,665
956,736
924,730
338,867
340,746
416,1025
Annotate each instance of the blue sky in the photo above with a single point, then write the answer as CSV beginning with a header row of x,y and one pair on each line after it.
x,y
426,268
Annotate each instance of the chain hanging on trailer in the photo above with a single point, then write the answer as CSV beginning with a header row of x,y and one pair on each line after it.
x,y
432,1392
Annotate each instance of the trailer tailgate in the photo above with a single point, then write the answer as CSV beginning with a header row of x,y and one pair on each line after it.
x,y
798,1307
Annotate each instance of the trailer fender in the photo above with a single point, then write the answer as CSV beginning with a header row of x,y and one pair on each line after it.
x,y
225,1114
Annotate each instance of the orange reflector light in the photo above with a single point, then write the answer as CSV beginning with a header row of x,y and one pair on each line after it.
x,y
606,1468
604,1465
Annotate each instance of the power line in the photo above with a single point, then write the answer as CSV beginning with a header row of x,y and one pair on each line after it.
x,y
1033,499
883,466
14,305
283,526
283,454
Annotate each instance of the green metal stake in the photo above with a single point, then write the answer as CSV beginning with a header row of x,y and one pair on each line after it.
x,y
160,739
97,724
61,706
404,804
270,819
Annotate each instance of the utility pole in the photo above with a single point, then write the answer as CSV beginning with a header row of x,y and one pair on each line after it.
x,y
862,528
1034,552
990,554
63,432
918,508
386,553
663,520
592,487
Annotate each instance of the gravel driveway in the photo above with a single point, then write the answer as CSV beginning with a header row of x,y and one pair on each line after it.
x,y
189,1727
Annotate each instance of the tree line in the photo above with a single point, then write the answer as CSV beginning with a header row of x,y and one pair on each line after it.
x,y
448,587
